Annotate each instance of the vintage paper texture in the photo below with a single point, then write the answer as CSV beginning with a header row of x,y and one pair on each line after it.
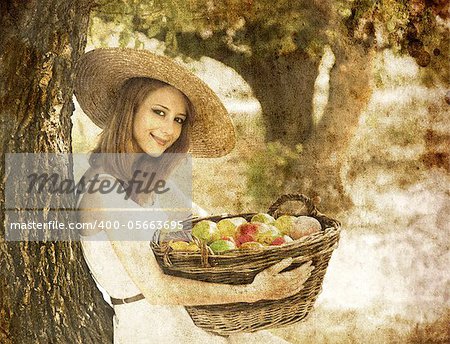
x,y
388,282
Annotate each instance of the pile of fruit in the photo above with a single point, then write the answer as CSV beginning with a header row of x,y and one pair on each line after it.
x,y
237,233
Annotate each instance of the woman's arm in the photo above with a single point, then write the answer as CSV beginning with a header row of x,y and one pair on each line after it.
x,y
158,288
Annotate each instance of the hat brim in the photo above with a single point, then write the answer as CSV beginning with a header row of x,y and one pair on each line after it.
x,y
101,73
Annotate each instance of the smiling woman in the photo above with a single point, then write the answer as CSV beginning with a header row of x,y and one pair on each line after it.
x,y
149,104
159,119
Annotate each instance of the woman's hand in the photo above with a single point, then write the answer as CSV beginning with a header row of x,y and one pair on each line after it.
x,y
270,284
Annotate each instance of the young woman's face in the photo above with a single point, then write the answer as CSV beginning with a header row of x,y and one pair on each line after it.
x,y
159,120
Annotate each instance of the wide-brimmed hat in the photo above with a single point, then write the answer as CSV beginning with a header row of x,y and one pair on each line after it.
x,y
100,73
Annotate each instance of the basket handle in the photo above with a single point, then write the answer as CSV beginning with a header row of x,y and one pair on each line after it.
x,y
307,202
311,209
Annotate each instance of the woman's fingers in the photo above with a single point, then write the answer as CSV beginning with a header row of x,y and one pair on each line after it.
x,y
276,268
294,280
302,269
271,284
301,273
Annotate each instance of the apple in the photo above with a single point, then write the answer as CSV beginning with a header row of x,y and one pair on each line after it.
x,y
285,223
179,245
206,231
256,231
183,246
287,239
229,238
246,232
251,245
227,227
282,240
192,247
263,218
267,233
221,245
305,225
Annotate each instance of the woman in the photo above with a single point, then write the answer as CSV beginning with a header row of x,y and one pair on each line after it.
x,y
149,106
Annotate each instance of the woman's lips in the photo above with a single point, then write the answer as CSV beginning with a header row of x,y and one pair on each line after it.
x,y
159,141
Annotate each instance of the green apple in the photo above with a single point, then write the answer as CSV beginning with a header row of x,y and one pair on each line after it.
x,y
192,247
179,245
285,223
267,234
206,231
263,218
222,245
227,227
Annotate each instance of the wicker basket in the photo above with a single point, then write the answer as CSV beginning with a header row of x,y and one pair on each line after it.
x,y
241,266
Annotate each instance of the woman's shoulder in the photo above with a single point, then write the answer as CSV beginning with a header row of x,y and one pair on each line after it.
x,y
93,173
90,195
103,190
97,199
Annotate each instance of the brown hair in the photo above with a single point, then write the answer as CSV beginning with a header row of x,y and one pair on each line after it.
x,y
117,136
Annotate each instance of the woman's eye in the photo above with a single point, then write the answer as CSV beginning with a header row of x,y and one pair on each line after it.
x,y
159,112
180,120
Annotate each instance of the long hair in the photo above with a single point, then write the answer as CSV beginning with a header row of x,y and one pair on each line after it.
x,y
117,137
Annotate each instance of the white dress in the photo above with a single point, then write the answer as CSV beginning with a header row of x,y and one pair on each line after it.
x,y
140,322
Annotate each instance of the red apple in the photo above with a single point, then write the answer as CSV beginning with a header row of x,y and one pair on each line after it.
x,y
243,239
278,241
246,232
281,240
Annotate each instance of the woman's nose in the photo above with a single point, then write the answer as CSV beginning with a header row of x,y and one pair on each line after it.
x,y
168,126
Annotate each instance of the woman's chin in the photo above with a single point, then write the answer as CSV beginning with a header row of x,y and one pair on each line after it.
x,y
153,150
154,154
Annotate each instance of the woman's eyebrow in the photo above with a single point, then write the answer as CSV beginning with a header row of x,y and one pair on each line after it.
x,y
165,107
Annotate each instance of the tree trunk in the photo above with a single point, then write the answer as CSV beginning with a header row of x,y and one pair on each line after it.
x,y
285,89
284,86
319,170
47,293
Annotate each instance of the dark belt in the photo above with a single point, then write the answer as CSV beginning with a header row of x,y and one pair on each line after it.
x,y
127,300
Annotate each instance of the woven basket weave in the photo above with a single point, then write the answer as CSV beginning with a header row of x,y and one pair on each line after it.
x,y
241,266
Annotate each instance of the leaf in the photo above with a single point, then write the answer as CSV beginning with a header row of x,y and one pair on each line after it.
x,y
153,30
124,38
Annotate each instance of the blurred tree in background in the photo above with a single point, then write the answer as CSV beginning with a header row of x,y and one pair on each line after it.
x,y
277,46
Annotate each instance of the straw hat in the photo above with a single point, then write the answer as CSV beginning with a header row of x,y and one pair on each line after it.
x,y
101,72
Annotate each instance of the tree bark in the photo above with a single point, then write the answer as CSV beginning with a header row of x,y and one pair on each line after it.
x,y
284,86
318,173
47,293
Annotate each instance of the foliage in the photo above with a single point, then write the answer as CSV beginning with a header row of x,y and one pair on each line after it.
x,y
275,28
244,27
268,170
415,27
